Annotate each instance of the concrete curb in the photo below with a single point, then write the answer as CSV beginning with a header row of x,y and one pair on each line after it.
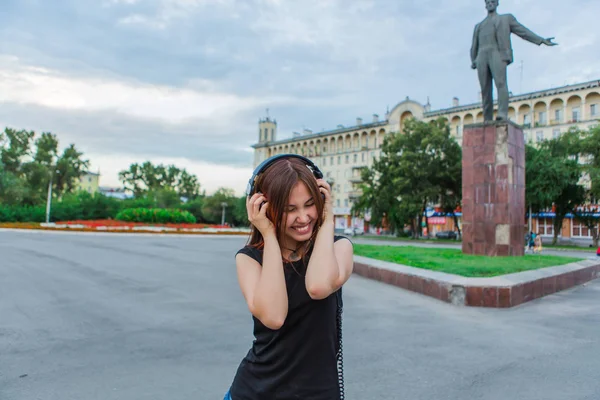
x,y
131,231
498,292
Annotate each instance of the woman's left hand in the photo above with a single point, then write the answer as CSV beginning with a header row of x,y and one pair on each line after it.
x,y
328,207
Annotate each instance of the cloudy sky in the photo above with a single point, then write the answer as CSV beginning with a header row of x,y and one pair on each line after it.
x,y
185,81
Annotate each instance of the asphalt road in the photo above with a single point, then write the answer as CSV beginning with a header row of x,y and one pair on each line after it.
x,y
101,317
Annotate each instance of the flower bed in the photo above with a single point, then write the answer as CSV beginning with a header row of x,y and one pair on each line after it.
x,y
115,223
121,226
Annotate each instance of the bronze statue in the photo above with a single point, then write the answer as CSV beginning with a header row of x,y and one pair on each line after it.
x,y
491,53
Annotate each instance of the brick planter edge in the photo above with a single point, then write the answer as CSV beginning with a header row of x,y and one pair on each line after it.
x,y
499,292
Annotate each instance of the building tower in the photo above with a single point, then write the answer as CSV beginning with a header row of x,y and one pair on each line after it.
x,y
267,133
267,129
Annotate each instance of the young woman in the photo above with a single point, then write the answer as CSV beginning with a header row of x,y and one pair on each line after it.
x,y
290,274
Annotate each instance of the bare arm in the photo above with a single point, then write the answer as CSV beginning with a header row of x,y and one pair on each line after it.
x,y
330,264
264,287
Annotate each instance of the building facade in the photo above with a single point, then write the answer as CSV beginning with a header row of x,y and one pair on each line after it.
x,y
89,182
342,152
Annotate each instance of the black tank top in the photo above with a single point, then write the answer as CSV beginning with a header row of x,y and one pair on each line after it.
x,y
297,361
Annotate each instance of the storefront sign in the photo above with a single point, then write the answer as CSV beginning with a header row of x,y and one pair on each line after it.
x,y
341,210
437,220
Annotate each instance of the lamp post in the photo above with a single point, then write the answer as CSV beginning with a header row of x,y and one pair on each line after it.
x,y
49,199
223,204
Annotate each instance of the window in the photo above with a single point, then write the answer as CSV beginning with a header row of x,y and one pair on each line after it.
x,y
363,157
593,110
346,203
555,133
331,161
542,117
337,202
339,160
545,227
355,158
576,114
324,161
526,119
347,158
580,230
558,115
539,136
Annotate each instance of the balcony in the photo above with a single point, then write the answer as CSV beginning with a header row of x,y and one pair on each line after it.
x,y
354,194
355,179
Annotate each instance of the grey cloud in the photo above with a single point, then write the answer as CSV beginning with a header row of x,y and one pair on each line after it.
x,y
363,56
115,134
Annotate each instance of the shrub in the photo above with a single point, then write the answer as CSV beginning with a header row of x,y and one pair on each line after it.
x,y
22,213
156,215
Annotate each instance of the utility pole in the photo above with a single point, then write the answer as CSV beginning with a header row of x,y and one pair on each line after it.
x,y
223,204
49,199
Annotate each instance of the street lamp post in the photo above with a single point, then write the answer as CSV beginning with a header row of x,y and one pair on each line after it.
x,y
223,213
49,199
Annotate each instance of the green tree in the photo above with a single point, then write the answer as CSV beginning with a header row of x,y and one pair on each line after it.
x,y
147,177
240,214
418,167
28,168
212,208
590,153
553,174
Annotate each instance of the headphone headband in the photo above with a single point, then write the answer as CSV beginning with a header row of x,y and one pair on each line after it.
x,y
269,161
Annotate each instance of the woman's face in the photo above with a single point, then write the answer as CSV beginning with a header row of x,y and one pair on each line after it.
x,y
301,214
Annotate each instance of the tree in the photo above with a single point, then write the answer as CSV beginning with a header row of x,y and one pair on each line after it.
x,y
212,208
553,173
418,167
144,178
240,213
590,152
26,171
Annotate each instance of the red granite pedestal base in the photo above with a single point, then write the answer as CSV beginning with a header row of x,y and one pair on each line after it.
x,y
493,179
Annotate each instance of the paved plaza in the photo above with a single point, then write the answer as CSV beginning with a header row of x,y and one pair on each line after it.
x,y
132,317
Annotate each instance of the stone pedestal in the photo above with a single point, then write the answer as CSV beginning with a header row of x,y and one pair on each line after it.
x,y
493,182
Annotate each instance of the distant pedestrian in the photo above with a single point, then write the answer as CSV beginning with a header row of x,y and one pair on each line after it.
x,y
291,273
531,241
538,244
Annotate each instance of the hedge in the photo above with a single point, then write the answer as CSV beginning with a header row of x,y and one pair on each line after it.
x,y
156,215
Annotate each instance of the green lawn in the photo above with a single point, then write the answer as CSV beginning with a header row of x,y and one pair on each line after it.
x,y
455,262
458,242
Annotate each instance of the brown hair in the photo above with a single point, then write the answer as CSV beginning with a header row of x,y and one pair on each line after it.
x,y
276,184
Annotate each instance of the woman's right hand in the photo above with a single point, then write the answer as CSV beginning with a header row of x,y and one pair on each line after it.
x,y
257,215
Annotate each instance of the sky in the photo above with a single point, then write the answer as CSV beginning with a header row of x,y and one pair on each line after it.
x,y
185,82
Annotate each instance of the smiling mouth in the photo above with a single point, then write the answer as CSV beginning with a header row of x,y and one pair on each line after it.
x,y
304,229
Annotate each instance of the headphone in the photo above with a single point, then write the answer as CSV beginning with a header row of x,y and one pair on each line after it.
x,y
269,161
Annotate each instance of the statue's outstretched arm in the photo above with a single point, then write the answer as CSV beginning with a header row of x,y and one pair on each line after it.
x,y
524,33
